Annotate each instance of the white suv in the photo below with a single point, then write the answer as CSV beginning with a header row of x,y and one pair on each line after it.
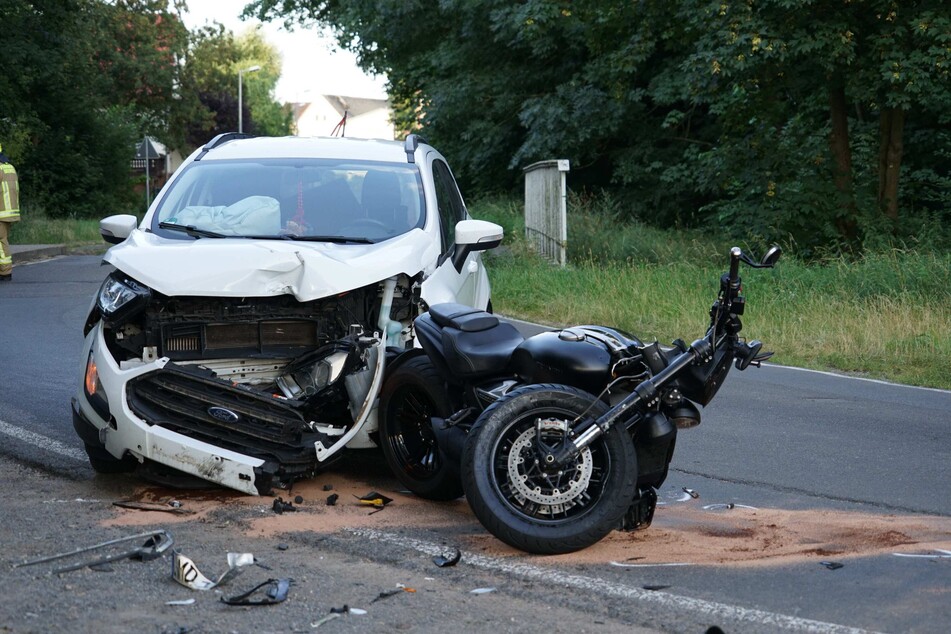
x,y
244,334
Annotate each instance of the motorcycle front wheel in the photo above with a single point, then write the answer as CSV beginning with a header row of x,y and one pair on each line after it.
x,y
539,510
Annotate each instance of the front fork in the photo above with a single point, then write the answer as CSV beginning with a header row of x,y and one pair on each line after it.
x,y
631,408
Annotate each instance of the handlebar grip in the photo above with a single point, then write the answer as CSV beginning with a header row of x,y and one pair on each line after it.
x,y
735,254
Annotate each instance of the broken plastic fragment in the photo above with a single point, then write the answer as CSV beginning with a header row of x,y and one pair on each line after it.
x,y
375,499
145,506
332,499
386,594
276,592
282,546
482,591
156,543
831,565
655,587
444,562
181,602
280,506
185,572
691,493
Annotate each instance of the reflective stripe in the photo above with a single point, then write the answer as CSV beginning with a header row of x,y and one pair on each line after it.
x,y
10,199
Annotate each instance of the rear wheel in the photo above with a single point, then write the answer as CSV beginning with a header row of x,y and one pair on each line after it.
x,y
411,396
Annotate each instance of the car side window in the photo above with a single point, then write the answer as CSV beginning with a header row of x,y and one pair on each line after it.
x,y
449,202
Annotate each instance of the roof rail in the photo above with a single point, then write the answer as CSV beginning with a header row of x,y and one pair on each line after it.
x,y
412,142
221,139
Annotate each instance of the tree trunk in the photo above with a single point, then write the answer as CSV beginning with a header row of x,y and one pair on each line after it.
x,y
842,156
890,148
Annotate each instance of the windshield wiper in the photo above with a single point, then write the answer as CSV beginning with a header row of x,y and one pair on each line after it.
x,y
334,239
191,230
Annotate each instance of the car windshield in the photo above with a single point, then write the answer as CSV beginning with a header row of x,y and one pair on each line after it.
x,y
306,199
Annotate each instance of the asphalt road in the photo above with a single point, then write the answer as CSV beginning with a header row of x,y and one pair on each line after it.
x,y
810,444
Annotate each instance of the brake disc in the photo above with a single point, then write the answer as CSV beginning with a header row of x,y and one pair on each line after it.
x,y
530,483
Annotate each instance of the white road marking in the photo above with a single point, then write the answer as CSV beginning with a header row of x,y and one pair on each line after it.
x,y
856,378
41,441
721,612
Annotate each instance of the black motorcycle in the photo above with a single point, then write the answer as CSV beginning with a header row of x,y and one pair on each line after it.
x,y
557,439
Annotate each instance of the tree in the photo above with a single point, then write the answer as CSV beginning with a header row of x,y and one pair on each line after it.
x,y
210,72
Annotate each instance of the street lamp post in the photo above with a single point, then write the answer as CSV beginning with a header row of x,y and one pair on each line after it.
x,y
241,72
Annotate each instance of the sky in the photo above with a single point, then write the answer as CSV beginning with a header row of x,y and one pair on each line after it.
x,y
312,64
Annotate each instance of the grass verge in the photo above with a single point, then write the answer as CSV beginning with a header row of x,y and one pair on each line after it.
x,y
884,315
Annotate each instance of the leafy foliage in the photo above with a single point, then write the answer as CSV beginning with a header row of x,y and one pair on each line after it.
x,y
806,121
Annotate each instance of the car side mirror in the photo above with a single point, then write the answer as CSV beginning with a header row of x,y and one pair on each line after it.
x,y
771,257
115,229
474,235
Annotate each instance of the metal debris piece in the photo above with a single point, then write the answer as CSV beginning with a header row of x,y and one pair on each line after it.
x,y
185,572
156,543
482,591
332,499
691,493
620,565
655,587
181,602
942,554
444,562
831,565
146,506
275,592
280,506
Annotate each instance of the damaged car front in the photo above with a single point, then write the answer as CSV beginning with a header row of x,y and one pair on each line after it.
x,y
243,334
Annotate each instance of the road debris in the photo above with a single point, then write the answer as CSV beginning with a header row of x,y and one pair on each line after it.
x,y
831,565
691,493
275,591
185,572
280,506
181,602
445,562
942,554
332,499
655,587
482,591
298,499
172,507
375,499
155,545
328,487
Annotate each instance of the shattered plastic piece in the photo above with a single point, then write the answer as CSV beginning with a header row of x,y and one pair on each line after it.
x,y
280,506
655,587
156,543
482,591
691,493
181,602
386,594
145,506
276,592
328,487
282,546
185,572
357,611
321,621
831,565
332,499
344,610
444,562
375,499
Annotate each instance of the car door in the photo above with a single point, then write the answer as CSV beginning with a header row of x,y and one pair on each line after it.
x,y
466,283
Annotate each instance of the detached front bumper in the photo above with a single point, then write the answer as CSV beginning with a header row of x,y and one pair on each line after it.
x,y
124,433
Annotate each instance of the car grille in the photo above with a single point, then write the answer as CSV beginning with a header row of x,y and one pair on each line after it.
x,y
199,405
185,340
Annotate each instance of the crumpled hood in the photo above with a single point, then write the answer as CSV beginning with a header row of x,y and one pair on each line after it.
x,y
230,267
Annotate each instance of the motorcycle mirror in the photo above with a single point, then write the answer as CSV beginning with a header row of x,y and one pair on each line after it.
x,y
772,256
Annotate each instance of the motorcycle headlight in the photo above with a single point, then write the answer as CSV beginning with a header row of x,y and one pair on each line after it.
x,y
120,298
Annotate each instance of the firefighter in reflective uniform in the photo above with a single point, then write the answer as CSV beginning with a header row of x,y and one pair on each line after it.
x,y
9,213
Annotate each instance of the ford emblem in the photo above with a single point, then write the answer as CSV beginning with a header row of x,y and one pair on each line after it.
x,y
223,414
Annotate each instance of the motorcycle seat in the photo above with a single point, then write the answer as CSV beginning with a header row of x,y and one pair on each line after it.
x,y
462,317
471,343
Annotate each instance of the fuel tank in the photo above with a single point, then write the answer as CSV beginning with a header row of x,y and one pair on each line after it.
x,y
581,356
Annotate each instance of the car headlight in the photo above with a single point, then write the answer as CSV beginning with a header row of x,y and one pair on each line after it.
x,y
120,298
